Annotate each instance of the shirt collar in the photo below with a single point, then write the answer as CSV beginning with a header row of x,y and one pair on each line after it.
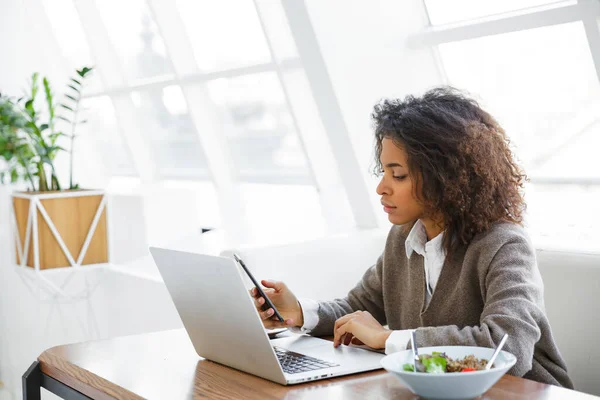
x,y
417,241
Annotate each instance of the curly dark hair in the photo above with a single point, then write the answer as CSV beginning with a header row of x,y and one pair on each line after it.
x,y
459,158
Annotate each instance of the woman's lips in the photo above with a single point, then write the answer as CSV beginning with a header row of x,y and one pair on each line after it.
x,y
388,209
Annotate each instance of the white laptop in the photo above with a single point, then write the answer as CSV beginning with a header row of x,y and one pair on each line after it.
x,y
224,326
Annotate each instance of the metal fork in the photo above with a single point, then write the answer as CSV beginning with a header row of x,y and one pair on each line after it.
x,y
413,343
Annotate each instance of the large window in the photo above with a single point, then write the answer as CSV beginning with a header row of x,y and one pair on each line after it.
x,y
165,122
103,134
67,28
445,12
226,34
212,92
239,66
533,69
135,36
259,127
538,83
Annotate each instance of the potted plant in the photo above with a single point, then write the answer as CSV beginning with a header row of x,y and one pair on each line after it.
x,y
55,226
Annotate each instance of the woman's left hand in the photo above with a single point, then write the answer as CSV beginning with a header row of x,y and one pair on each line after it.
x,y
360,327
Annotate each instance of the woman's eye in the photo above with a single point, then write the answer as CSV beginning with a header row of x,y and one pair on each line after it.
x,y
400,178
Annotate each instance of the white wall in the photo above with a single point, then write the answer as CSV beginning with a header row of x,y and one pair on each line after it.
x,y
18,51
27,48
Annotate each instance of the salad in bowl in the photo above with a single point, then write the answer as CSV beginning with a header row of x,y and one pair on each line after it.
x,y
448,372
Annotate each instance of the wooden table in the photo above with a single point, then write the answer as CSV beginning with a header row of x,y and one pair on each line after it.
x,y
164,365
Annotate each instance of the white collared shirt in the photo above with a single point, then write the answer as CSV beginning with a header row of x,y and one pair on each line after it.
x,y
434,256
432,251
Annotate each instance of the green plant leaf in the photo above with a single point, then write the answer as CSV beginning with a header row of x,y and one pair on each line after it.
x,y
49,98
29,105
43,127
53,149
84,71
40,150
34,129
34,85
22,147
64,119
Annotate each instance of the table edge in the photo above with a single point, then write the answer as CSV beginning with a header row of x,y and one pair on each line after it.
x,y
92,385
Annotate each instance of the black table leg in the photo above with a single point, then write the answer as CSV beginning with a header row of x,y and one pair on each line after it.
x,y
32,382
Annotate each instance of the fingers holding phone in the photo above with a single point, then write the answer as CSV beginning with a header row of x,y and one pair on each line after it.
x,y
284,301
277,305
265,311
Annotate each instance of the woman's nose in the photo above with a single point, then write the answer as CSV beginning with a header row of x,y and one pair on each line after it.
x,y
382,188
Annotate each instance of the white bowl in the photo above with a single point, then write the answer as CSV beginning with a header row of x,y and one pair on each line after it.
x,y
453,385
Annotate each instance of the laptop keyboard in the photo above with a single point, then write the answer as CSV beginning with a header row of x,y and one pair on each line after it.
x,y
294,363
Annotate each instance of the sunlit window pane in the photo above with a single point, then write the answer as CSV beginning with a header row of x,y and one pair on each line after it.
x,y
278,29
66,26
542,86
103,136
259,127
224,34
564,216
134,34
444,11
165,121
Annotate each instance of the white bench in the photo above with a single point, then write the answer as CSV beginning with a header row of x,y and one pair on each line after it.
x,y
572,297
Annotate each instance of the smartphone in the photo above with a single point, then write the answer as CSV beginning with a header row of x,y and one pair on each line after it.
x,y
268,303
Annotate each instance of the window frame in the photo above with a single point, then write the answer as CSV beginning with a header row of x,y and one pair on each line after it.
x,y
567,11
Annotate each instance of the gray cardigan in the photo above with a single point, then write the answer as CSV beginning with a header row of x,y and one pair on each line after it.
x,y
491,287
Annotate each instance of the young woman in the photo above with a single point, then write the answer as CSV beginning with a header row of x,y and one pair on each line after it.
x,y
458,266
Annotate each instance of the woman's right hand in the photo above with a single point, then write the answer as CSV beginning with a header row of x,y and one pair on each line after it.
x,y
284,300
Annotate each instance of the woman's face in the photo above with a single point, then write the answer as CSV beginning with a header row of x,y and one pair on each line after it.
x,y
396,186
